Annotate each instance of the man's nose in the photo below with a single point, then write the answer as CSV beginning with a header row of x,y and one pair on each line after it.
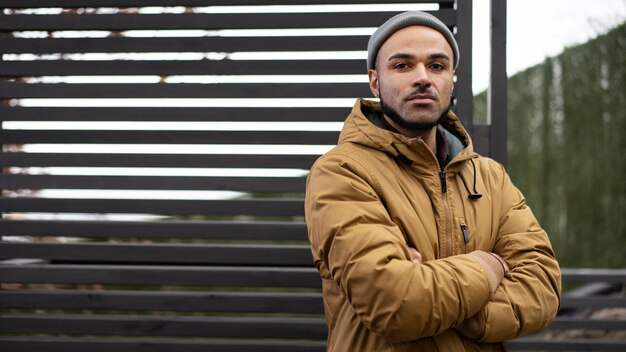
x,y
421,77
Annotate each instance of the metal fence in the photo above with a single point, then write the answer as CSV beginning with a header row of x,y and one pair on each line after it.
x,y
154,161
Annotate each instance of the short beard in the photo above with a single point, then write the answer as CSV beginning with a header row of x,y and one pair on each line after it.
x,y
412,125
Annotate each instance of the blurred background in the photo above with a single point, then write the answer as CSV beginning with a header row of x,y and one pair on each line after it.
x,y
566,120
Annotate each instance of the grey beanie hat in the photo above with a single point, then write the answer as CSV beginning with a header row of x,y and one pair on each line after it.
x,y
406,19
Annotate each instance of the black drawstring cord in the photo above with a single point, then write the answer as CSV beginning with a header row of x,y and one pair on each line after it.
x,y
401,156
472,195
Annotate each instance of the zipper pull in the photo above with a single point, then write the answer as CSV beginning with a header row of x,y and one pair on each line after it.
x,y
465,233
442,175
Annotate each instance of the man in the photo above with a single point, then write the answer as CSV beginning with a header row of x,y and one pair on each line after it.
x,y
422,244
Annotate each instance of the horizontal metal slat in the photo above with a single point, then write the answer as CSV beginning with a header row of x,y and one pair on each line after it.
x,y
317,114
161,275
195,67
571,276
177,301
252,207
572,345
201,21
178,45
177,326
240,184
139,3
208,230
163,254
585,323
593,302
600,301
185,90
169,137
208,326
66,344
158,160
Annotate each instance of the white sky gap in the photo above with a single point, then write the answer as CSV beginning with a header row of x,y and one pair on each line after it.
x,y
199,33
136,194
167,56
383,7
172,126
184,102
163,171
195,149
200,79
76,217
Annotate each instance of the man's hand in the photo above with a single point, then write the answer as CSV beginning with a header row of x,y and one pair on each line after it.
x,y
416,257
495,267
474,327
492,263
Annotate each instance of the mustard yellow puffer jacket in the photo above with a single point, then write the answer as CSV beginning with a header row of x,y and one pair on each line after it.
x,y
378,193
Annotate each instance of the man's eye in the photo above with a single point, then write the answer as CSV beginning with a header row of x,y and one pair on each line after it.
x,y
401,66
437,67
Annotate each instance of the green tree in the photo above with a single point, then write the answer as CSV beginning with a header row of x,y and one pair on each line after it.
x,y
566,125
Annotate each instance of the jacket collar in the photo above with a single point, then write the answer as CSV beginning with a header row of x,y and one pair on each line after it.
x,y
363,126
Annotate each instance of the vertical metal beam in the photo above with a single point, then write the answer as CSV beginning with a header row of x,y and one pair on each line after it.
x,y
3,102
497,94
463,87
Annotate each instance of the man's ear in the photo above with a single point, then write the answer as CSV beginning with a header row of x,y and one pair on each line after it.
x,y
373,78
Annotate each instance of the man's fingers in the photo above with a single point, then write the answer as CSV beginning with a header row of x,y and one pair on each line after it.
x,y
416,257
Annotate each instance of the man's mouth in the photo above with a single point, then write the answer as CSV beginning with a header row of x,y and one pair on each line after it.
x,y
422,98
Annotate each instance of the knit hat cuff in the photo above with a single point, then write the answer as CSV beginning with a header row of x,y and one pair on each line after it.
x,y
406,19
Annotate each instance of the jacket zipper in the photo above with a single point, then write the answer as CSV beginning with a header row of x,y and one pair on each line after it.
x,y
446,215
444,187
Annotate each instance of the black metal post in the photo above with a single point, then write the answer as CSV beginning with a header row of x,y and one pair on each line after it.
x,y
497,94
463,87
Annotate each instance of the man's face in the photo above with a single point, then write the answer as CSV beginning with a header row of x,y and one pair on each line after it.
x,y
413,78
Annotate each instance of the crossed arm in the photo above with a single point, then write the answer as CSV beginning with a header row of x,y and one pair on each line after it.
x,y
496,269
358,246
526,297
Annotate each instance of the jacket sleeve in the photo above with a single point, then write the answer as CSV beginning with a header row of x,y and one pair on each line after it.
x,y
355,243
528,298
